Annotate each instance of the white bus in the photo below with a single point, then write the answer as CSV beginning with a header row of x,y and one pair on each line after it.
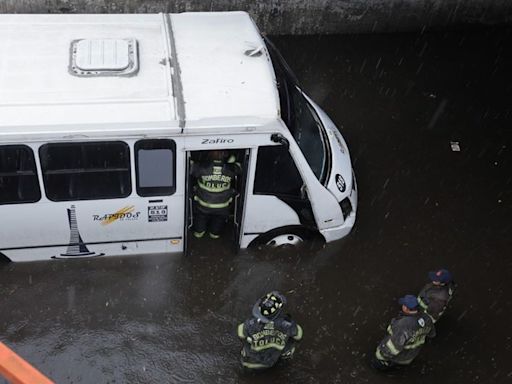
x,y
100,116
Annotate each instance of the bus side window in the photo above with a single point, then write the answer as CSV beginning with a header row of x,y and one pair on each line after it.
x,y
155,165
276,173
18,176
86,170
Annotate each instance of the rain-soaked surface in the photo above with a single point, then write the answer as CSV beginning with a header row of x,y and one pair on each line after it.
x,y
402,100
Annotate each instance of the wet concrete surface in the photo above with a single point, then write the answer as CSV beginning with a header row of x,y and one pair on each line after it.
x,y
302,16
401,99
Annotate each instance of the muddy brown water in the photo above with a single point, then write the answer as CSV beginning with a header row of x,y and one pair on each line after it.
x,y
402,101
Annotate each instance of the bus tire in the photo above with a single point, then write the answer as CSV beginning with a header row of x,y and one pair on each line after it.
x,y
293,236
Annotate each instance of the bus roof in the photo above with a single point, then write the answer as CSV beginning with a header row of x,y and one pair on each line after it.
x,y
205,70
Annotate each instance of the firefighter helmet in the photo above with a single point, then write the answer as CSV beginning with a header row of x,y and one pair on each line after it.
x,y
269,307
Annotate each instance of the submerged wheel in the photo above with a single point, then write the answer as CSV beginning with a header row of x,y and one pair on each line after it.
x,y
288,237
285,240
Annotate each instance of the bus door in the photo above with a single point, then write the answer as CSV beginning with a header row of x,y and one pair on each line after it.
x,y
239,159
240,196
276,197
285,203
188,219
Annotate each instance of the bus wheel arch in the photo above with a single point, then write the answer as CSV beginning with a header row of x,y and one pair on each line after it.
x,y
4,259
291,236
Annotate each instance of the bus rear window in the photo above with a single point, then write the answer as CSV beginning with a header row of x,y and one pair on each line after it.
x,y
86,171
18,176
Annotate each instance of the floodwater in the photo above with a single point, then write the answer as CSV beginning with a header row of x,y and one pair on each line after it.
x,y
405,103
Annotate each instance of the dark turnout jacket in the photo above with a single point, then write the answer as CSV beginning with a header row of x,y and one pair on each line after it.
x,y
433,299
406,335
214,191
265,343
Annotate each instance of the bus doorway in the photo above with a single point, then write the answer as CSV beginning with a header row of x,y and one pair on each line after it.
x,y
215,197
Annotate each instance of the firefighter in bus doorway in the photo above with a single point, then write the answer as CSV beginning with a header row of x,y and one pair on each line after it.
x,y
213,192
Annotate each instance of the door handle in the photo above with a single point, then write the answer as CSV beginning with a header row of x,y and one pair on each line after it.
x,y
236,210
191,216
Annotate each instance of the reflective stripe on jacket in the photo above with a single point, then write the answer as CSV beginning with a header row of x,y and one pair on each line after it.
x,y
213,189
265,343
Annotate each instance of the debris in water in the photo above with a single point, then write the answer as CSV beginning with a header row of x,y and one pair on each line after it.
x,y
462,315
455,146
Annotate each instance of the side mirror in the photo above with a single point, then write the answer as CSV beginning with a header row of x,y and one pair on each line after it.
x,y
278,138
304,192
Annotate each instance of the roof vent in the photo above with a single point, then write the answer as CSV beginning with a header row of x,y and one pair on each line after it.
x,y
104,57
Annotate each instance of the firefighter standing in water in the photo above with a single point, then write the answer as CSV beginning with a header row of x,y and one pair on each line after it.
x,y
435,296
213,193
269,335
406,335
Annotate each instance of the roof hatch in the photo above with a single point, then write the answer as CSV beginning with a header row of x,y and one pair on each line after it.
x,y
104,57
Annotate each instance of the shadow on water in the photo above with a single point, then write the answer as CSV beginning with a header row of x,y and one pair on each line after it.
x,y
402,100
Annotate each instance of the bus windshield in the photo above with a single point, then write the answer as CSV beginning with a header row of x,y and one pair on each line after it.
x,y
307,131
300,117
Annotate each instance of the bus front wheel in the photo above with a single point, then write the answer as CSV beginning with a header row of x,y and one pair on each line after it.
x,y
288,237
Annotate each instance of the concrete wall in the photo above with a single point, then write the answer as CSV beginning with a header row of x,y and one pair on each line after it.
x,y
301,16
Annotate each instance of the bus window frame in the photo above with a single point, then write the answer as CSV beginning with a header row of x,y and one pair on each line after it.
x,y
34,160
155,191
128,170
274,193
